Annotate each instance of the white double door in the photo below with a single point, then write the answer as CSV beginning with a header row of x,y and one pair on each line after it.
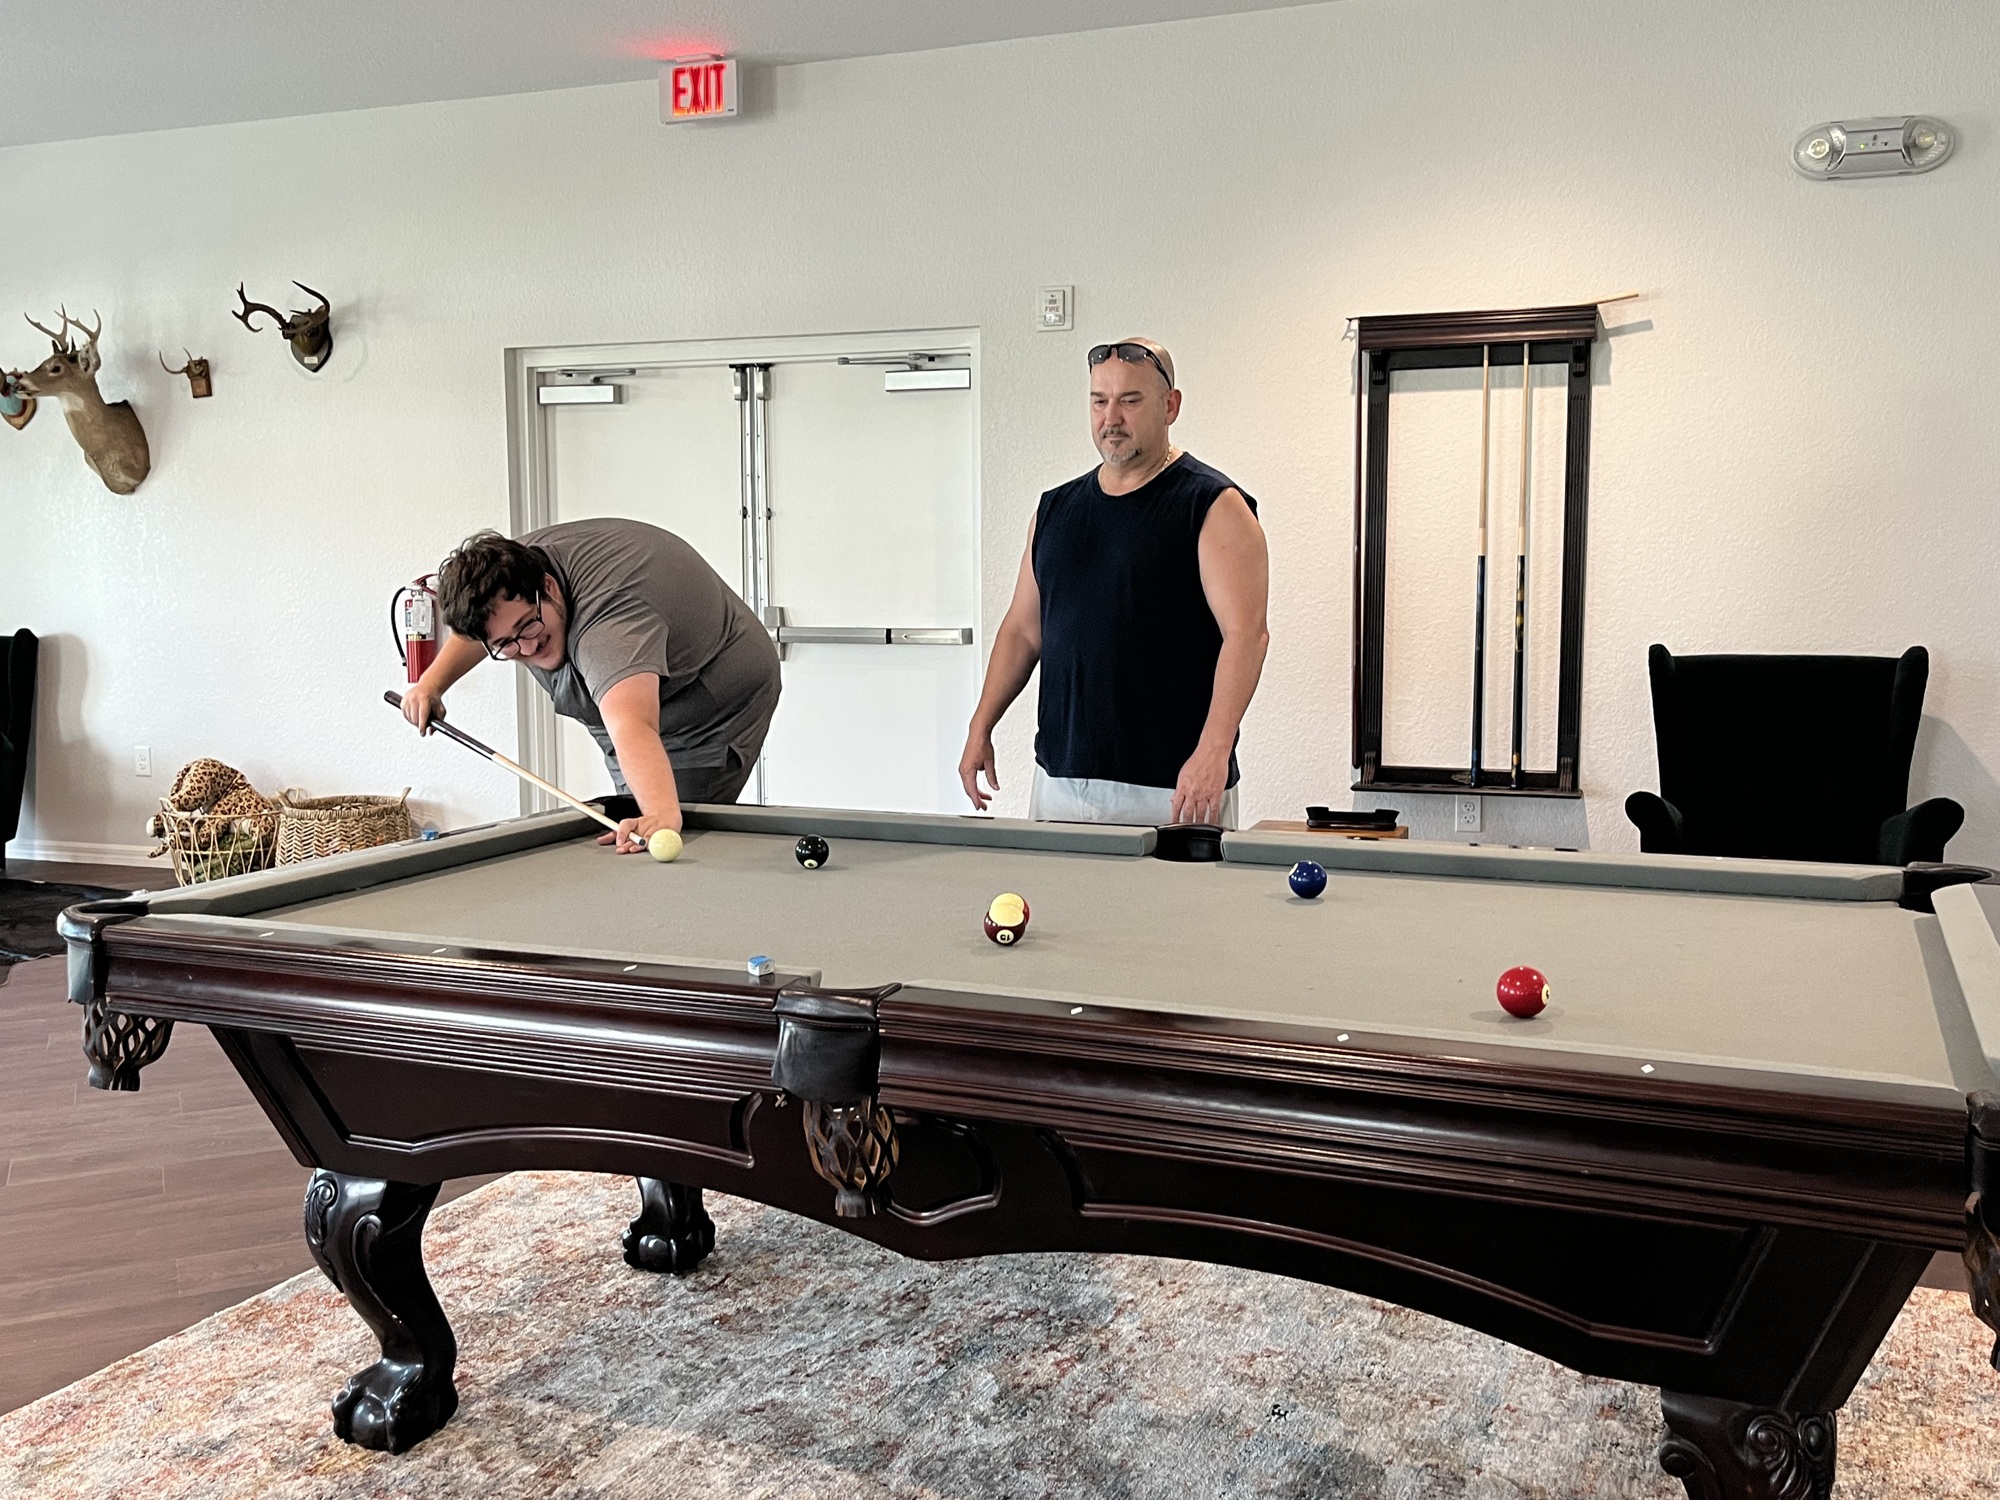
x,y
864,559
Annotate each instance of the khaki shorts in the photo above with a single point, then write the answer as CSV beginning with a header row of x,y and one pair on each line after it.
x,y
1077,799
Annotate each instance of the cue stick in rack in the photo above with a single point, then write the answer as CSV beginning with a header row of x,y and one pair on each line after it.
x,y
453,732
1479,585
1521,573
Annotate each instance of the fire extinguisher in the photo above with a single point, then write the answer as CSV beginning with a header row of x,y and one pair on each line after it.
x,y
413,622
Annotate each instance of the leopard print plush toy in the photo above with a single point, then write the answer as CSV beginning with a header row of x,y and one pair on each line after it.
x,y
206,785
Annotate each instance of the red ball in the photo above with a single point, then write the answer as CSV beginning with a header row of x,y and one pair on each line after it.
x,y
1522,992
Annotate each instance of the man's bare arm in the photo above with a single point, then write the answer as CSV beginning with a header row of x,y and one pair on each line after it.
x,y
425,700
631,710
1017,647
1236,579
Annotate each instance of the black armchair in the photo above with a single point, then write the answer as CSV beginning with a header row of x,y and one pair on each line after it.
x,y
17,729
1790,757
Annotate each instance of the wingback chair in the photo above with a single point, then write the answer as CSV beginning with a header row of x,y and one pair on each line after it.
x,y
1790,757
17,729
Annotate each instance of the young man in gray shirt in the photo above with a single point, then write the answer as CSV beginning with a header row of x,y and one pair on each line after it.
x,y
633,636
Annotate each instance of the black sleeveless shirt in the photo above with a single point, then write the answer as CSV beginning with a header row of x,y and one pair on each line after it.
x,y
1129,643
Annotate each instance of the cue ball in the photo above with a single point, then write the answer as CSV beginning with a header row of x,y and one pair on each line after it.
x,y
1522,992
1006,919
1307,879
811,851
664,846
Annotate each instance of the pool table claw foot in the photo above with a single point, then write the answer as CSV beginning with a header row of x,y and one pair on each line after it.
x,y
673,1232
1721,1450
367,1236
392,1407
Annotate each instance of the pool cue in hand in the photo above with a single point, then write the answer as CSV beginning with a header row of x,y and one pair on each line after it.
x,y
1479,587
452,732
1521,577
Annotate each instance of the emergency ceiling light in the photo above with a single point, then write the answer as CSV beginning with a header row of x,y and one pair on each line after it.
x,y
1891,147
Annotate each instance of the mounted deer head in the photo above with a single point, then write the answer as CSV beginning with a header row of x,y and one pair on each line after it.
x,y
310,333
196,371
16,410
113,442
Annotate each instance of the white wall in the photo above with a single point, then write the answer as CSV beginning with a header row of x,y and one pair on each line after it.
x,y
1794,448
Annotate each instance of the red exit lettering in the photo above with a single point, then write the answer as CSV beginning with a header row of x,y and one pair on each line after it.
x,y
698,88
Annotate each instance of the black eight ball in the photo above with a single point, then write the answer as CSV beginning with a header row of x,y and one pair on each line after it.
x,y
810,851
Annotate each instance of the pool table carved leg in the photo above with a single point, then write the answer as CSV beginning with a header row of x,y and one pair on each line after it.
x,y
673,1232
1982,1237
367,1236
1982,1266
1722,1450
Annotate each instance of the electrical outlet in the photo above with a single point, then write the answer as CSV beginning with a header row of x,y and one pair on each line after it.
x,y
1465,813
142,760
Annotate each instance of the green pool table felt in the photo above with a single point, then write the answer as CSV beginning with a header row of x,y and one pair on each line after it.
x,y
1840,990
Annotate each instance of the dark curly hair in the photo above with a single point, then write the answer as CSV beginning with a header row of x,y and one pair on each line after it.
x,y
486,568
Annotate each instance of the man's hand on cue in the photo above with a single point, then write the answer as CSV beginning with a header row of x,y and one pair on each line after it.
x,y
633,832
421,705
1199,791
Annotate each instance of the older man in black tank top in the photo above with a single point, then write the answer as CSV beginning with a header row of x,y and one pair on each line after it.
x,y
1142,597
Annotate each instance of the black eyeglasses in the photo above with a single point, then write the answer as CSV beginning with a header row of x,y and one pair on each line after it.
x,y
531,631
1132,354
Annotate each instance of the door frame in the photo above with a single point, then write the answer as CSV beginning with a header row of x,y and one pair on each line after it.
x,y
530,489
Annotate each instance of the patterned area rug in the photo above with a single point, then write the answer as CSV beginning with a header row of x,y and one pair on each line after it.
x,y
799,1363
28,912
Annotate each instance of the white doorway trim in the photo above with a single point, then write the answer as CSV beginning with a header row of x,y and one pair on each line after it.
x,y
530,491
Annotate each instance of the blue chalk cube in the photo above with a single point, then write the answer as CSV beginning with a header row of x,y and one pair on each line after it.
x,y
1308,879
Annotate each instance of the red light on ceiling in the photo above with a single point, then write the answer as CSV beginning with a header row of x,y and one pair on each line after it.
x,y
670,49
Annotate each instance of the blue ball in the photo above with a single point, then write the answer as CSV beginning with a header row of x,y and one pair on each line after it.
x,y
1307,879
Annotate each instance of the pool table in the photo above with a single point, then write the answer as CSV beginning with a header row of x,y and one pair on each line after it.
x,y
1761,1097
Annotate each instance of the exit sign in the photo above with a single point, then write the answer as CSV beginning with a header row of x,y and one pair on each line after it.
x,y
698,88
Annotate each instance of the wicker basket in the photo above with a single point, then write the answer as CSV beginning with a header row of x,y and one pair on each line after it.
x,y
314,827
212,846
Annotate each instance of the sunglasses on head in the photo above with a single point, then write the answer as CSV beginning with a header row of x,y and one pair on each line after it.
x,y
1131,354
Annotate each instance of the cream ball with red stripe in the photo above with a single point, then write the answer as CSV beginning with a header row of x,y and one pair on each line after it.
x,y
1006,919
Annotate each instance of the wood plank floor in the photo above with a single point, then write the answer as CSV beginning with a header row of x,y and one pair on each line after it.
x,y
126,1217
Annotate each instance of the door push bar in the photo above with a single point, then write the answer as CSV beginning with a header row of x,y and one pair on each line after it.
x,y
785,636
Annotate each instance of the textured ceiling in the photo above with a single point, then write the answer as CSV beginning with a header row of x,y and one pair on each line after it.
x,y
75,68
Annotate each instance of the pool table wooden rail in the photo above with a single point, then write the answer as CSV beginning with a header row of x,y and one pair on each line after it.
x,y
1246,1093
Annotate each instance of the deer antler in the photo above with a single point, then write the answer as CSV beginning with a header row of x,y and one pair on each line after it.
x,y
250,308
88,360
314,317
60,340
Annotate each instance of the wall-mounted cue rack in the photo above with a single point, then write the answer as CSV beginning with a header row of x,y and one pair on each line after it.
x,y
1493,341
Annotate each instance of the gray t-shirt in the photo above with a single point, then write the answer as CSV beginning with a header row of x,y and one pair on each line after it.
x,y
642,600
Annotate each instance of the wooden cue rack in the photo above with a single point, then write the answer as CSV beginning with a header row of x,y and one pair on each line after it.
x,y
1430,341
